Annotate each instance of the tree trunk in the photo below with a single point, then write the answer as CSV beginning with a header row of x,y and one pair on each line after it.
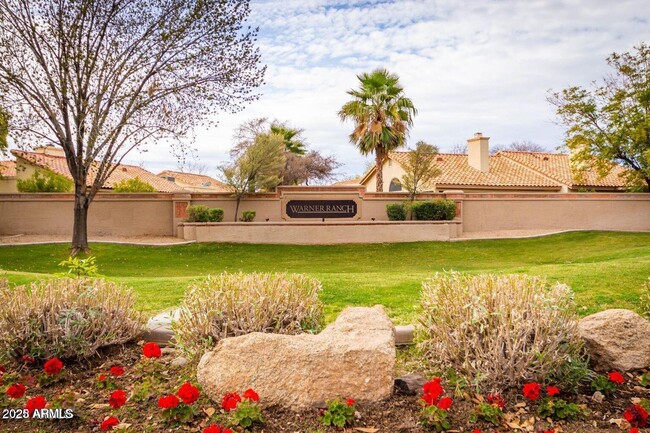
x,y
80,228
237,207
379,163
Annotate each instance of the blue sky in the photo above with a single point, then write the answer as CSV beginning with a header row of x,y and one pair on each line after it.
x,y
468,66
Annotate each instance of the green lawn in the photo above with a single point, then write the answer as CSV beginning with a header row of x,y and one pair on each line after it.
x,y
606,270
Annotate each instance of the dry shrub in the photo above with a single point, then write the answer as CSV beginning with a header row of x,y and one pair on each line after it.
x,y
645,300
498,330
228,305
66,317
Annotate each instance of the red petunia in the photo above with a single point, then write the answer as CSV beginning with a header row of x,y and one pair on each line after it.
x,y
552,390
549,431
116,370
476,431
151,350
531,391
634,430
188,393
433,388
16,390
496,400
53,366
117,399
429,399
35,403
168,402
109,423
249,394
616,377
445,403
230,401
216,429
636,415
349,402
101,377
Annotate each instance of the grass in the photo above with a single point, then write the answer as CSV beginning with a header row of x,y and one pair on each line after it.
x,y
606,270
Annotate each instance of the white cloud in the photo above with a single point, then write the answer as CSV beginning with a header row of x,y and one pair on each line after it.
x,y
468,66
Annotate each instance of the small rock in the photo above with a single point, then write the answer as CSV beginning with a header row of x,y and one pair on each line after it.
x,y
410,384
598,397
179,362
167,350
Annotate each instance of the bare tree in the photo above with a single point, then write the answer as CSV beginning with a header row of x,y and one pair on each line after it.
x,y
518,146
419,169
459,148
310,168
100,78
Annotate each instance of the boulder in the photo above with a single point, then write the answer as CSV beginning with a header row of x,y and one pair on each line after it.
x,y
354,357
616,340
410,384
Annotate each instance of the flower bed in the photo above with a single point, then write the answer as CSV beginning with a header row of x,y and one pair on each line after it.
x,y
135,388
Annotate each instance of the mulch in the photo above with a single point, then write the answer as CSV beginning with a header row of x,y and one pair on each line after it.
x,y
399,414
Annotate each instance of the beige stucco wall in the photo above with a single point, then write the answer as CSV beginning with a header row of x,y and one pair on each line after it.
x,y
391,170
625,212
8,185
318,233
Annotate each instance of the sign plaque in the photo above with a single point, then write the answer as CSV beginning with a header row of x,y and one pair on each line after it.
x,y
321,208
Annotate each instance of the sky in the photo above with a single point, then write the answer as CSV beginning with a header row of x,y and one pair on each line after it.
x,y
469,66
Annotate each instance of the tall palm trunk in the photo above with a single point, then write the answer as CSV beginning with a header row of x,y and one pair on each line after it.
x,y
380,157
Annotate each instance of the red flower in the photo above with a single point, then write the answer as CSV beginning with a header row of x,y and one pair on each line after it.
x,y
3,370
634,430
230,401
552,390
433,388
35,403
151,350
445,403
109,423
101,377
27,358
188,393
616,377
16,390
168,402
117,399
429,399
116,370
349,402
249,394
216,429
476,431
636,416
496,400
53,366
549,431
531,391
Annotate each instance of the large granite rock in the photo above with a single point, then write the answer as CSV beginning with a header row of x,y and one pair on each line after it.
x,y
616,340
353,357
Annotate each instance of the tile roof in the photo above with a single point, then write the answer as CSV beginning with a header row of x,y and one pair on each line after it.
x,y
7,168
558,166
59,165
355,181
455,170
199,180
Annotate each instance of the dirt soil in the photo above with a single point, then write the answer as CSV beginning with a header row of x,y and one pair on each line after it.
x,y
79,389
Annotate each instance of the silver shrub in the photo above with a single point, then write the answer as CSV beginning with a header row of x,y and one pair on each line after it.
x,y
498,330
231,304
66,317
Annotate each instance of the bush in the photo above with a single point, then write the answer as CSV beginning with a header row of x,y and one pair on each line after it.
x,y
66,317
435,210
133,185
645,300
498,330
204,214
248,216
45,181
228,305
396,211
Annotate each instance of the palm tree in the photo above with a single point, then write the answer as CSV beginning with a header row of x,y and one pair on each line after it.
x,y
293,141
382,116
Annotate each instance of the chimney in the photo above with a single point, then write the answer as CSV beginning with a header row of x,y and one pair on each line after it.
x,y
478,152
50,150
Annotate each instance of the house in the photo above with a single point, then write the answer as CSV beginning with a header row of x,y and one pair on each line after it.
x,y
506,171
53,158
8,177
194,182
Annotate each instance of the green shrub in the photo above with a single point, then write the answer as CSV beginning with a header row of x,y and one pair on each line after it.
x,y
498,330
228,305
133,185
435,210
204,214
66,317
396,211
645,300
80,267
248,216
45,181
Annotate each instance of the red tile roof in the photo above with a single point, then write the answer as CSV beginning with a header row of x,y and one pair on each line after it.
x,y
7,168
59,165
199,180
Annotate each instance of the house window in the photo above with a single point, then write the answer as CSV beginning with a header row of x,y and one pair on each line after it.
x,y
395,185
